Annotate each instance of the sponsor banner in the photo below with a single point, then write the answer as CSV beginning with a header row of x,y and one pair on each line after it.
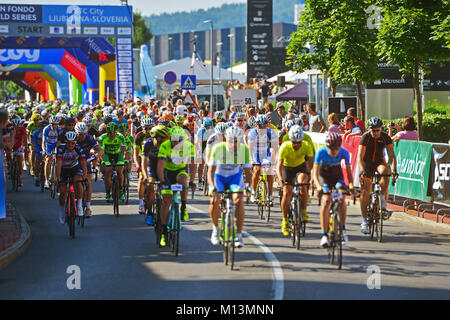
x,y
107,31
125,59
56,30
31,56
124,31
243,97
73,30
440,172
75,67
20,13
4,28
413,167
124,48
90,30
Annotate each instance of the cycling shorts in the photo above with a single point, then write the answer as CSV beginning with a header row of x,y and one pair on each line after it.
x,y
18,151
290,173
116,158
49,148
234,183
371,167
151,167
170,177
66,173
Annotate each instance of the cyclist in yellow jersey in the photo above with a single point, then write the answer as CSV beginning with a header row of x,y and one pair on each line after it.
x,y
295,156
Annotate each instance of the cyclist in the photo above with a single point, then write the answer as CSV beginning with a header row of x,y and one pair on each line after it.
x,y
327,173
146,124
49,141
225,172
263,145
124,130
69,125
87,143
20,140
371,159
70,162
31,127
36,144
114,147
216,137
158,135
295,156
173,158
203,134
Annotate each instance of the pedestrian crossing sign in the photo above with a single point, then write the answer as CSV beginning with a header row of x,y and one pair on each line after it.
x,y
188,82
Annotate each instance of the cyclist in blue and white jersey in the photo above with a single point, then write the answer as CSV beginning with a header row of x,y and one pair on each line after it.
x,y
263,145
201,139
49,141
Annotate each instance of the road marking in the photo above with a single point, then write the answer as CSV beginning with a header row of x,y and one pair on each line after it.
x,y
277,270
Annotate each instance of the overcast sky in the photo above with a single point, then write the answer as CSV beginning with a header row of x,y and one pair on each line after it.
x,y
147,7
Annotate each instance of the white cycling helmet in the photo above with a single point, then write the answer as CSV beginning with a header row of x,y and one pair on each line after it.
x,y
234,132
81,127
221,127
71,136
296,133
146,122
251,122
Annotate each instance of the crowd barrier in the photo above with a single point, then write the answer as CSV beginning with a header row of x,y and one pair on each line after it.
x,y
423,167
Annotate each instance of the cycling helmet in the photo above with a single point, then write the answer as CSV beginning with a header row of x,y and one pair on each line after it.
x,y
296,133
177,134
221,127
179,119
107,119
164,122
261,120
35,116
119,113
71,136
54,120
240,116
207,122
159,131
88,121
219,114
374,122
111,127
251,122
147,122
288,124
140,114
151,113
123,127
81,127
43,123
333,140
234,132
98,112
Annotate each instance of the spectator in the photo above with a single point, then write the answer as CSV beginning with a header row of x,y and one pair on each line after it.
x,y
352,112
352,129
334,124
315,120
265,91
176,96
409,130
278,115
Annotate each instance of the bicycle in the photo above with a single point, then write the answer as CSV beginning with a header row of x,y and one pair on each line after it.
x,y
42,175
71,207
83,217
227,227
115,186
174,225
126,183
375,215
205,180
52,178
297,225
335,236
155,208
262,193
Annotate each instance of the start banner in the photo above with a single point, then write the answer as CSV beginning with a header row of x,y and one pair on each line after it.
x,y
413,167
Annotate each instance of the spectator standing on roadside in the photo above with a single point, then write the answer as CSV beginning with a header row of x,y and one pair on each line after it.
x,y
409,130
278,115
315,120
352,113
334,124
352,129
265,91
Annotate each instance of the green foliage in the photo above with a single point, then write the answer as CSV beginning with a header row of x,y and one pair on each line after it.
x,y
142,34
10,86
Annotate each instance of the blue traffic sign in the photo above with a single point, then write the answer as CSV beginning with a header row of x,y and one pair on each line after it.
x,y
188,82
170,77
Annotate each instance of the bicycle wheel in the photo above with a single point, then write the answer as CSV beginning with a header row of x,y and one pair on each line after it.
x,y
231,231
205,180
260,199
267,201
156,206
225,237
380,228
126,185
115,195
373,220
175,229
298,223
338,237
71,214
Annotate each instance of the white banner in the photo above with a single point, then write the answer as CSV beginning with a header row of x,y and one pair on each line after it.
x,y
243,97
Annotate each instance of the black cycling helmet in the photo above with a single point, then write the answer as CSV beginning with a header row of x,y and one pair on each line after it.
x,y
43,123
374,122
107,119
69,121
333,140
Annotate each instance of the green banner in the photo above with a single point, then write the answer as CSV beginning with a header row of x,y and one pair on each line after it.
x,y
413,166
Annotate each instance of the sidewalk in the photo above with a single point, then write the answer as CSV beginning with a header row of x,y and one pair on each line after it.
x,y
15,235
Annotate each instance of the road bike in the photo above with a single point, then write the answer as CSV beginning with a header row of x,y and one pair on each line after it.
x,y
154,209
375,213
296,222
126,183
262,193
52,178
227,227
71,208
174,225
115,189
205,180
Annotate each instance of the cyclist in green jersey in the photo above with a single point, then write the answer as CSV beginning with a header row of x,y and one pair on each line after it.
x,y
174,157
129,140
114,147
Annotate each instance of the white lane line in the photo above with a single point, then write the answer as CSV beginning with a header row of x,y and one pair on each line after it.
x,y
277,271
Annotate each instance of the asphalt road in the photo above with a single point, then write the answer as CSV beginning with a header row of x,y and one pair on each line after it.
x,y
117,258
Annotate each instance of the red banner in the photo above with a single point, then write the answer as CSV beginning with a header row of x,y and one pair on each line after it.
x,y
37,82
351,144
75,67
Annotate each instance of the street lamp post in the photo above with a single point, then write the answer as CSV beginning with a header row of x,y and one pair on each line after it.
x,y
231,58
212,77
219,56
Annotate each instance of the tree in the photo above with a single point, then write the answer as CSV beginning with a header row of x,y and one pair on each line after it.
x,y
405,39
311,45
354,60
442,26
141,31
8,87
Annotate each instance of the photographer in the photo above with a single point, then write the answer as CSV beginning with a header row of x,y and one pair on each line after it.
x,y
409,130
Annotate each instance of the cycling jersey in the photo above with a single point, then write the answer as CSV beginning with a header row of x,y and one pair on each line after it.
x,y
263,140
129,140
87,144
36,138
31,127
330,167
176,157
374,147
292,157
112,146
20,133
227,162
285,137
139,141
70,159
50,135
151,151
